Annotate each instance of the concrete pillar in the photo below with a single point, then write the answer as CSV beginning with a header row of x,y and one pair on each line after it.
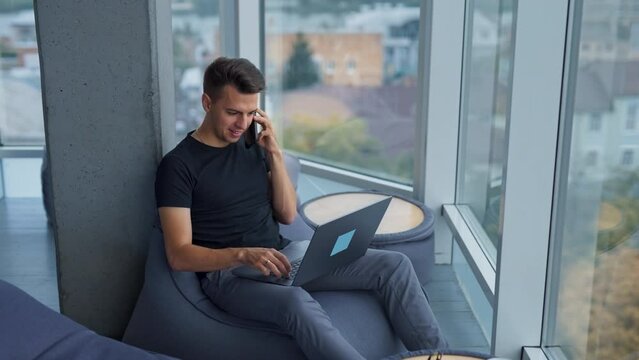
x,y
100,81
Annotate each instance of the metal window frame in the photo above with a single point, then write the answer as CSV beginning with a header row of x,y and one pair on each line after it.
x,y
162,41
476,257
562,169
439,91
441,48
229,28
530,176
359,180
245,9
21,152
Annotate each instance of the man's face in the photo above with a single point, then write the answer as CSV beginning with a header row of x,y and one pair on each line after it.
x,y
230,115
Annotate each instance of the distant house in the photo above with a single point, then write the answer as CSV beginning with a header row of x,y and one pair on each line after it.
x,y
374,45
24,40
606,118
342,58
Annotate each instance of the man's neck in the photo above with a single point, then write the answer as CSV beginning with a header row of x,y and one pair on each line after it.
x,y
203,134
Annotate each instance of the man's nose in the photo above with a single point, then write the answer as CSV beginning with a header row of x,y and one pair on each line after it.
x,y
245,120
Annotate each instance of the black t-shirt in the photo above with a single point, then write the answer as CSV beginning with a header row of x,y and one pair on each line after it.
x,y
227,190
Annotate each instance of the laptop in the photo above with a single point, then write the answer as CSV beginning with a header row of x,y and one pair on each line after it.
x,y
334,244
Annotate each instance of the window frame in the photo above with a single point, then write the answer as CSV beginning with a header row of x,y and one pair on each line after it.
x,y
530,175
250,31
632,150
523,251
437,129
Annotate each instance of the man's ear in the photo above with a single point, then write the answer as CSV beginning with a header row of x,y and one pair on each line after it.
x,y
207,103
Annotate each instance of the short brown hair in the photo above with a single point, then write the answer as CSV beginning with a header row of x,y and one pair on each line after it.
x,y
239,72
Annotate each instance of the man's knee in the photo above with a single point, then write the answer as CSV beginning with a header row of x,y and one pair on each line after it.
x,y
392,260
296,305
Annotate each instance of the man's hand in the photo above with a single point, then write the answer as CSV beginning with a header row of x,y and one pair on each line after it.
x,y
266,138
267,261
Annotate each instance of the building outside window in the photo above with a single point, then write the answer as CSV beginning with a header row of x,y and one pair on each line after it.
x,y
627,157
595,122
21,116
591,158
592,303
631,120
21,119
358,111
196,43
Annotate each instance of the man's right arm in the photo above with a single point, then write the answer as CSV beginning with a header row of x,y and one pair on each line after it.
x,y
183,255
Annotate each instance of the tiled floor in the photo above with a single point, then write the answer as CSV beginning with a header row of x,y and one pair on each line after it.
x,y
27,260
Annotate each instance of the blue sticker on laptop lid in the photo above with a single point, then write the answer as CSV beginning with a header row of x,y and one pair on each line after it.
x,y
342,242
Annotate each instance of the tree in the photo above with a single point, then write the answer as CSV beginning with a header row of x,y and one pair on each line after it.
x,y
300,70
621,195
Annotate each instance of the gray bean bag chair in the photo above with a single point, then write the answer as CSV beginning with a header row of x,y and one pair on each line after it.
x,y
30,330
173,315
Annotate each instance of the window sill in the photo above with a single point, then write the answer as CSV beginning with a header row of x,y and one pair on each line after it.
x,y
21,152
481,266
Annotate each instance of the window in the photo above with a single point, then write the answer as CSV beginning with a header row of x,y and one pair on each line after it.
x,y
196,43
21,119
485,105
358,110
21,115
330,67
351,67
631,119
592,303
627,158
595,122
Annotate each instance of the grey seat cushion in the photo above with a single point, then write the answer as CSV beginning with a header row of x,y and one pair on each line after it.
x,y
199,329
30,330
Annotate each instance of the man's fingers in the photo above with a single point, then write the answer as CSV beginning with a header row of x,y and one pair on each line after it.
x,y
271,261
262,120
284,260
273,268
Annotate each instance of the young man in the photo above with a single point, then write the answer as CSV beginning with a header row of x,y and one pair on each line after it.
x,y
220,203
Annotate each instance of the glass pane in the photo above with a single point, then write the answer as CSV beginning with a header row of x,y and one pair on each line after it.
x,y
341,80
593,304
21,177
21,120
478,331
486,90
196,43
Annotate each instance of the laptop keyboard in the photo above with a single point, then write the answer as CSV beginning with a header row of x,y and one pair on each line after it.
x,y
295,265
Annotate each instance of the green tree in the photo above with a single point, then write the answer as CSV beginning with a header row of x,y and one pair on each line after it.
x,y
300,70
621,194
351,143
347,142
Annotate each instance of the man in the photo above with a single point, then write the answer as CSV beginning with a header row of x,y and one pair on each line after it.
x,y
220,203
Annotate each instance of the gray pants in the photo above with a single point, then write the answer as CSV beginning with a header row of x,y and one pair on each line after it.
x,y
388,274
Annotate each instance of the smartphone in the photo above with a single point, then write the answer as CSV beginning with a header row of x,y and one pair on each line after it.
x,y
252,133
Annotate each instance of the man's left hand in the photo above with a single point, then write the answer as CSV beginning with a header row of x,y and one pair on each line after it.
x,y
266,138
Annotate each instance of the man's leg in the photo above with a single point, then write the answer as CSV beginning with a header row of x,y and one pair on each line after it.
x,y
392,277
289,307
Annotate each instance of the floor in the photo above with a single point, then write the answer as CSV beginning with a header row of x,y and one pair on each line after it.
x,y
27,260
